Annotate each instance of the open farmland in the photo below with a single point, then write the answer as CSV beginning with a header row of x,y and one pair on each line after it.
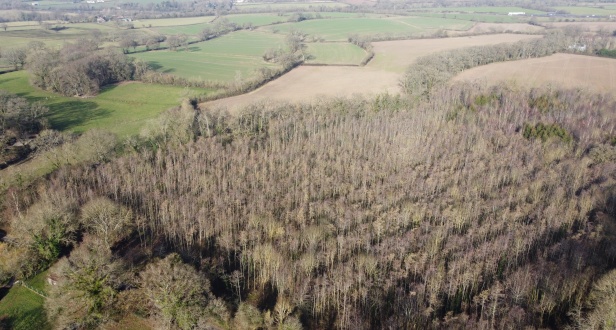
x,y
121,109
19,35
340,29
282,6
167,22
397,55
608,27
257,19
588,10
485,27
219,59
566,70
307,82
487,10
333,53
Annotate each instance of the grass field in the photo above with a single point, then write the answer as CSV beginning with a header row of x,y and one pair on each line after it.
x,y
21,35
333,53
24,307
170,22
257,19
487,9
588,10
219,59
340,29
566,70
289,5
121,109
489,18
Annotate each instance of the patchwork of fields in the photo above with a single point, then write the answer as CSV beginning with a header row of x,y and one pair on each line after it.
x,y
381,75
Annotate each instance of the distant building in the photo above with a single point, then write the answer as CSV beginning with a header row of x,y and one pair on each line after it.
x,y
578,47
35,4
516,13
100,20
90,1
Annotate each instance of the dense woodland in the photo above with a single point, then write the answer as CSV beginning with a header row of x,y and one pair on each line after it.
x,y
481,208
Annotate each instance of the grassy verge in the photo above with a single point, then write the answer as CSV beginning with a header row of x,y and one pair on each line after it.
x,y
23,309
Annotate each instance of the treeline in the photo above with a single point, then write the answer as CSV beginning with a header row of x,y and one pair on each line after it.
x,y
354,214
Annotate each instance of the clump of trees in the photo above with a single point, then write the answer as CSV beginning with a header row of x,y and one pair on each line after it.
x,y
293,54
79,69
220,27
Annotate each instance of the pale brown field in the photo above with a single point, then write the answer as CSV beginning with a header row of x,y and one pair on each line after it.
x,y
382,75
308,83
505,28
397,55
586,26
566,70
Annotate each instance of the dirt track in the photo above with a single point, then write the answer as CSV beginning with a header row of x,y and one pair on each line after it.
x,y
566,70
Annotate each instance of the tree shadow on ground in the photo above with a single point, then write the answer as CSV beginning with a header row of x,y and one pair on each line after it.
x,y
69,114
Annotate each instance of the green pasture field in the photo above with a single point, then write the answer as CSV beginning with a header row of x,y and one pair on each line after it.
x,y
486,9
488,18
121,109
589,10
257,19
167,22
289,5
192,29
340,29
219,59
335,53
21,35
24,308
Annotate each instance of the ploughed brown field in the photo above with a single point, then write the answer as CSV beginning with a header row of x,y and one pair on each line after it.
x,y
566,70
381,75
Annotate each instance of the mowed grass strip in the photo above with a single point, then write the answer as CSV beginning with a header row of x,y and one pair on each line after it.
x,y
335,53
219,59
122,109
